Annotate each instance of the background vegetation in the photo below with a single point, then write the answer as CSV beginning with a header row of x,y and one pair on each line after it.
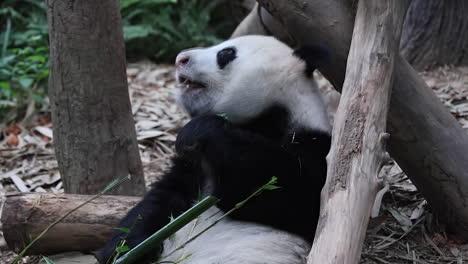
x,y
154,29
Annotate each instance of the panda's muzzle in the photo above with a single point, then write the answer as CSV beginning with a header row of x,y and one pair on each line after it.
x,y
188,83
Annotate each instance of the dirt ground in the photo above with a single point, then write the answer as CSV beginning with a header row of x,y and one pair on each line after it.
x,y
404,231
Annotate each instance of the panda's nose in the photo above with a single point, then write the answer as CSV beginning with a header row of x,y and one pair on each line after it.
x,y
182,60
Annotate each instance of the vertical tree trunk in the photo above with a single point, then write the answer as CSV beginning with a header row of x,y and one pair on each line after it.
x,y
94,133
427,142
358,150
436,33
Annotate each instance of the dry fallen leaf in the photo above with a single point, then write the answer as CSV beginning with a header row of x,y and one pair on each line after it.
x,y
455,251
13,129
402,219
44,121
44,131
149,134
418,211
19,183
13,140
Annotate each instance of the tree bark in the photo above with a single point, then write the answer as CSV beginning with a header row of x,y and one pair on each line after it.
x,y
358,153
426,140
94,132
26,215
436,33
254,24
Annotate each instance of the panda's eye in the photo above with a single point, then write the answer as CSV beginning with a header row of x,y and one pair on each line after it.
x,y
225,56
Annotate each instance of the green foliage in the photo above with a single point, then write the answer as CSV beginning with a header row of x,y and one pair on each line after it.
x,y
159,29
24,66
21,71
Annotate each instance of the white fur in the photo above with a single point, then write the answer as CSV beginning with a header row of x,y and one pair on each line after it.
x,y
265,72
235,242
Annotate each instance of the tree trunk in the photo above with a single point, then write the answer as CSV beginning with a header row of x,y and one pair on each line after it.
x,y
358,152
254,24
94,132
426,141
436,33
26,215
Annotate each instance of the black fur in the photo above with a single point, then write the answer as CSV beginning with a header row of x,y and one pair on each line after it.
x,y
225,56
314,55
271,123
240,159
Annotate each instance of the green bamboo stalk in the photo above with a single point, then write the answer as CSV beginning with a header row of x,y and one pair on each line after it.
x,y
157,238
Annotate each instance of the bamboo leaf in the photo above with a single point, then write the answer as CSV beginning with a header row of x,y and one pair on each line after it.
x,y
270,187
123,229
122,249
116,182
47,260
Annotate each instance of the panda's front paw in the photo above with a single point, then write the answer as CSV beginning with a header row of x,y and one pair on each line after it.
x,y
194,136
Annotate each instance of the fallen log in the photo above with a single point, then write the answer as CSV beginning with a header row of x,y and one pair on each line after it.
x,y
24,216
359,133
426,140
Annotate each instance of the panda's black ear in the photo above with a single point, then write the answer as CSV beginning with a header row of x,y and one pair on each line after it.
x,y
314,55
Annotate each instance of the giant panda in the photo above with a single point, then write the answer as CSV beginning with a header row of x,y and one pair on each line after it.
x,y
256,113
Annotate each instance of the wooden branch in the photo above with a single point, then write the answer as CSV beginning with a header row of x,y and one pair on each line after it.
x,y
252,24
358,152
426,141
24,216
318,21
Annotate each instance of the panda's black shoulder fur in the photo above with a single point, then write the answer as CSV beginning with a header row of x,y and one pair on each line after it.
x,y
314,55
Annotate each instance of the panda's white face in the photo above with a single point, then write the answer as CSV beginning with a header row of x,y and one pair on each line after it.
x,y
242,77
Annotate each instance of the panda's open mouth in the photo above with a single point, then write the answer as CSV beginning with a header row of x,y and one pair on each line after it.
x,y
190,84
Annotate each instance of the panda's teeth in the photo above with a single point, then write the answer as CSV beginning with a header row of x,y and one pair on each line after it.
x,y
188,84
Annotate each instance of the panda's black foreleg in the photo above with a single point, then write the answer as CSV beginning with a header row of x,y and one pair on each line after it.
x,y
169,197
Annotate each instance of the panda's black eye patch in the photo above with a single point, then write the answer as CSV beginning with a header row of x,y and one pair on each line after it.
x,y
225,56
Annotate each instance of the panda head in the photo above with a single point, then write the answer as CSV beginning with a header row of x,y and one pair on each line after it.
x,y
243,77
